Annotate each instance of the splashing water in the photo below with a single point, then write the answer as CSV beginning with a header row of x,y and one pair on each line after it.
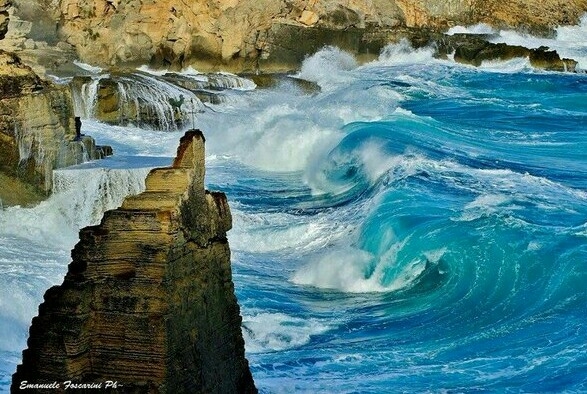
x,y
416,226
569,41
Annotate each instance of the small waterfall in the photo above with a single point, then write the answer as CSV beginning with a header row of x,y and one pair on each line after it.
x,y
148,101
85,94
160,101
31,145
25,144
83,195
80,197
230,81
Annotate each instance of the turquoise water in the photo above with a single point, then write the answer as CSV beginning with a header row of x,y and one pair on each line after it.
x,y
438,242
416,226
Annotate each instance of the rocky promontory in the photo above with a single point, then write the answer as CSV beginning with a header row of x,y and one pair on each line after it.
x,y
259,35
148,301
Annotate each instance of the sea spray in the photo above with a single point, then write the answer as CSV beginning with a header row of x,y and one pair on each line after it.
x,y
569,41
422,225
35,243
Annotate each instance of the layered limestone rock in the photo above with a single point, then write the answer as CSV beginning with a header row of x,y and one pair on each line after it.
x,y
37,132
148,300
533,16
36,128
242,35
252,35
166,102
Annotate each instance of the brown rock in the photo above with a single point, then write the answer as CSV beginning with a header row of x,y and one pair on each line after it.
x,y
475,49
148,300
239,36
36,131
550,60
4,17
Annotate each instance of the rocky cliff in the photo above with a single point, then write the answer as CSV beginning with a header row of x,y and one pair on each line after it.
x,y
37,132
4,17
148,300
244,35
251,35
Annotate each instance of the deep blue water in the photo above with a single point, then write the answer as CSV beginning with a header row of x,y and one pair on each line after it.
x,y
440,245
416,226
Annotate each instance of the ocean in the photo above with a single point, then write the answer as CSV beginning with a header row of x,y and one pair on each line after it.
x,y
416,225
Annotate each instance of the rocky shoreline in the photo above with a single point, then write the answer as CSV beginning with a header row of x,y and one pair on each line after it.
x,y
176,231
37,132
258,36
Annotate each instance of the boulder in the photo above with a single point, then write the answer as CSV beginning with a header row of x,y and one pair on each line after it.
x,y
475,49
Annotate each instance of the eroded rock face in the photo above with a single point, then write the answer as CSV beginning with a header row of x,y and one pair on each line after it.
x,y
533,16
237,35
37,131
148,300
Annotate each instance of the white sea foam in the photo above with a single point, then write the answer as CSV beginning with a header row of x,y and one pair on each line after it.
x,y
354,270
276,136
507,66
270,232
403,53
27,269
133,141
88,67
343,269
158,72
266,332
480,28
488,201
376,162
162,71
328,66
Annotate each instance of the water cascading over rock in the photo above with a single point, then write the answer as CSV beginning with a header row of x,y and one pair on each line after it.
x,y
148,301
165,101
37,132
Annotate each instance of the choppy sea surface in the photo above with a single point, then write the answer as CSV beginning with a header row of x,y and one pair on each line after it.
x,y
415,226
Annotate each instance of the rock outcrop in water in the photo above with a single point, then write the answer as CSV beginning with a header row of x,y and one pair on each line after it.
x,y
275,34
148,300
140,99
475,49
